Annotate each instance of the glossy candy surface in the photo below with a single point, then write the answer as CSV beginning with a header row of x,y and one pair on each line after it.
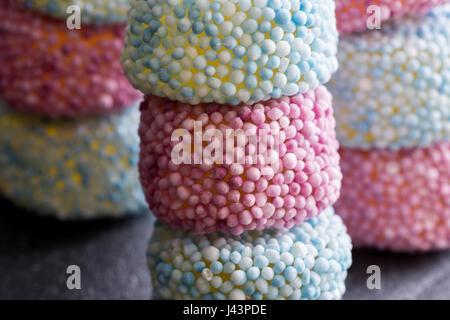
x,y
309,261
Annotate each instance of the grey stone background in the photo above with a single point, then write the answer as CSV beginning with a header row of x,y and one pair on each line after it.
x,y
35,253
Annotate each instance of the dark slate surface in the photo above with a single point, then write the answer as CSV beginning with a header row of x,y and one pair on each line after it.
x,y
35,253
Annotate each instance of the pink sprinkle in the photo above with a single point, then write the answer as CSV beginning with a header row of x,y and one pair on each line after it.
x,y
234,196
175,179
253,174
183,193
285,108
289,161
261,185
275,114
248,200
236,182
245,218
236,123
278,202
261,199
289,176
308,129
257,212
223,213
236,169
222,187
273,190
278,179
289,201
290,132
294,188
315,180
294,111
219,200
248,186
163,184
193,200
268,210
206,197
258,117
284,189
232,220
267,172
216,117
300,202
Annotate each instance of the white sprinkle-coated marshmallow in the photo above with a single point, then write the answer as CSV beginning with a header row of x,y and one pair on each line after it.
x,y
71,169
309,261
230,51
392,89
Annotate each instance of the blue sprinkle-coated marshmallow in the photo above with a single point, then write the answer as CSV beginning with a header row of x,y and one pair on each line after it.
x,y
71,169
309,261
229,51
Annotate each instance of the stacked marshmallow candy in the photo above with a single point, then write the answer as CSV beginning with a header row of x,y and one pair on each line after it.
x,y
59,157
392,102
239,221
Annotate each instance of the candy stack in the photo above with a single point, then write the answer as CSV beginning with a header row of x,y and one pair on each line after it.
x,y
68,116
392,102
252,223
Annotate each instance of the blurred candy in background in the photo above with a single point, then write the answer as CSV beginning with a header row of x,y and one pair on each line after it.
x,y
393,86
398,200
358,15
50,70
101,12
69,117
76,168
392,106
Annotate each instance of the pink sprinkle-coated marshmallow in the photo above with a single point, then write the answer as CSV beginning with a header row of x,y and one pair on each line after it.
x,y
397,200
302,179
50,70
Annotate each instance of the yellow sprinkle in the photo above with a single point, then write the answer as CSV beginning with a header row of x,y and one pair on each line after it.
x,y
60,185
70,164
110,150
369,137
95,145
51,131
53,172
76,178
